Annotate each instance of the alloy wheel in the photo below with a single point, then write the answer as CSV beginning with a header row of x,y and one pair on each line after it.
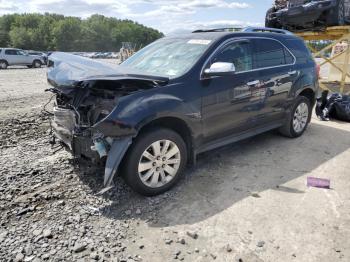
x,y
159,163
301,117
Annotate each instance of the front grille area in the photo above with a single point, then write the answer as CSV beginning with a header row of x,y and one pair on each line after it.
x,y
64,124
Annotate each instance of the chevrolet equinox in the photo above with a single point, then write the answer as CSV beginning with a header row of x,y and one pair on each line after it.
x,y
147,118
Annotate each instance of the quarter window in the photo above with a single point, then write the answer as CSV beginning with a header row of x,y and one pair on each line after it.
x,y
270,53
238,53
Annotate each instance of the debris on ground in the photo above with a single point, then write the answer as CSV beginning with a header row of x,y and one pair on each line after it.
x,y
318,182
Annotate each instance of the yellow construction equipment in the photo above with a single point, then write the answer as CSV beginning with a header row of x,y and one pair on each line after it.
x,y
338,35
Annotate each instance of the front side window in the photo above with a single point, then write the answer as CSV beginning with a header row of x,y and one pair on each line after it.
x,y
168,57
270,53
238,53
21,52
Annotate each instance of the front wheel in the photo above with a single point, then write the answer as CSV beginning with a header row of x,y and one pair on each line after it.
x,y
155,162
298,119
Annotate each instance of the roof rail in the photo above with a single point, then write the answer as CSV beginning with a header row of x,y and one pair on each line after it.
x,y
246,30
224,29
266,29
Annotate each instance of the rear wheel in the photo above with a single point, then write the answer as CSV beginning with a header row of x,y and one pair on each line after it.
x,y
298,119
268,19
3,64
337,17
36,64
155,162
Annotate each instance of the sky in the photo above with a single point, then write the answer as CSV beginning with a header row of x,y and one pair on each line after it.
x,y
168,16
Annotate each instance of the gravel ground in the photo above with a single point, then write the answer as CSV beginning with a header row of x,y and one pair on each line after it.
x,y
245,202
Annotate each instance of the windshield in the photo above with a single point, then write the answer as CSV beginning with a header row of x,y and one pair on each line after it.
x,y
168,57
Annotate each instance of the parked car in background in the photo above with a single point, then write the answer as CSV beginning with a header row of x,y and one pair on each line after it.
x,y
179,97
304,14
36,53
18,57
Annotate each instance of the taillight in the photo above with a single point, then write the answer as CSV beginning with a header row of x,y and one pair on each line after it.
x,y
318,71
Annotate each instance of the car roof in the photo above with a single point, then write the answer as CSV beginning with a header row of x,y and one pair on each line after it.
x,y
9,48
216,36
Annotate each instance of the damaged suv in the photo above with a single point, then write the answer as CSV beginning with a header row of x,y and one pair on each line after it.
x,y
305,14
180,96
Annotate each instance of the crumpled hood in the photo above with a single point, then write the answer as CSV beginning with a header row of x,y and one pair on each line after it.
x,y
67,70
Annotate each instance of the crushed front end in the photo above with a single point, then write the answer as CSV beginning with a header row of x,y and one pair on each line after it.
x,y
75,114
84,115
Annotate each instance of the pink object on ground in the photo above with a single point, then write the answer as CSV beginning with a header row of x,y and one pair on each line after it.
x,y
318,182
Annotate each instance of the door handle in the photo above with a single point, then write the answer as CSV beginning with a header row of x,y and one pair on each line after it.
x,y
253,83
292,73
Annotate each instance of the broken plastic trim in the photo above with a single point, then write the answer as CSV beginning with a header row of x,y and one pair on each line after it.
x,y
115,156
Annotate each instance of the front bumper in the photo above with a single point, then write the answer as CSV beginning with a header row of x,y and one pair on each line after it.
x,y
85,145
303,15
64,126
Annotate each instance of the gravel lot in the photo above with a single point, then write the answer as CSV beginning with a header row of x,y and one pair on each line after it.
x,y
245,202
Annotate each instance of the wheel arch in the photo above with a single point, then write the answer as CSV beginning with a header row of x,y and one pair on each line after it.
x,y
4,60
175,124
310,94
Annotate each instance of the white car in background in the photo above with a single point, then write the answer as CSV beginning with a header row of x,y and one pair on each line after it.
x,y
15,57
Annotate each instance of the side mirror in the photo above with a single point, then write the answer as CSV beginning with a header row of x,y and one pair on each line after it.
x,y
220,69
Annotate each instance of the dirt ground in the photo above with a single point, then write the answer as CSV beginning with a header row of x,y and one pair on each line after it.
x,y
244,202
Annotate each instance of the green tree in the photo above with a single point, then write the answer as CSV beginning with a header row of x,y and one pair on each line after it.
x,y
56,32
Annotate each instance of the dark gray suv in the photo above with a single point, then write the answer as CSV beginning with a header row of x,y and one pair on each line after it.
x,y
178,97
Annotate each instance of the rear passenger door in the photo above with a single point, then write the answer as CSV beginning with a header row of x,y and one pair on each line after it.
x,y
11,56
275,65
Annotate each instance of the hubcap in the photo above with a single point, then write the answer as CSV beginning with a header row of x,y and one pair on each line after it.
x,y
37,64
301,116
2,65
159,163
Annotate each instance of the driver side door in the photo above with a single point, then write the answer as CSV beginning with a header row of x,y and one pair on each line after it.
x,y
226,99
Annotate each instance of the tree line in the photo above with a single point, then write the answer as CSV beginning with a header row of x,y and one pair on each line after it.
x,y
53,32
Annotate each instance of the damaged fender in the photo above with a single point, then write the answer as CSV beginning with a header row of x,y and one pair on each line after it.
x,y
115,156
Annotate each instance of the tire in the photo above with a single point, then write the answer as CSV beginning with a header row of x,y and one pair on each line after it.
x,y
290,129
132,170
3,64
268,22
36,64
337,16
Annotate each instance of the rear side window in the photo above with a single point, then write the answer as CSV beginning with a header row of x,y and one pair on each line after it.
x,y
270,53
11,52
300,51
